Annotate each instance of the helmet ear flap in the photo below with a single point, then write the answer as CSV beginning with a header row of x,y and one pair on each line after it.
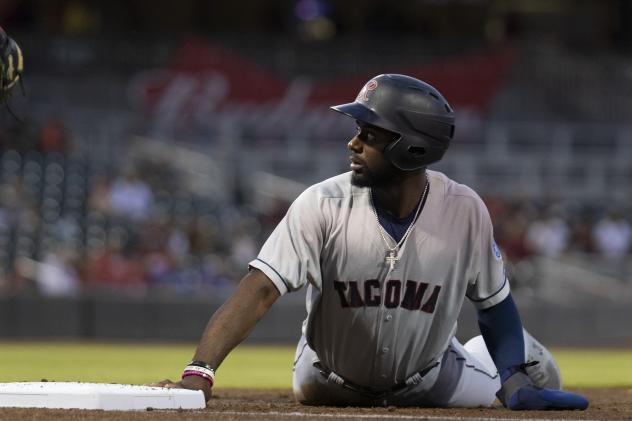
x,y
408,155
401,156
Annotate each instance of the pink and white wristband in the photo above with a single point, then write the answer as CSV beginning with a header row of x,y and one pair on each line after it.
x,y
200,369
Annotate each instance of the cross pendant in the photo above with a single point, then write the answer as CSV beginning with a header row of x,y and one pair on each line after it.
x,y
391,259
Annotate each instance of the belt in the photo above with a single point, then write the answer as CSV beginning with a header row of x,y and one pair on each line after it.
x,y
413,380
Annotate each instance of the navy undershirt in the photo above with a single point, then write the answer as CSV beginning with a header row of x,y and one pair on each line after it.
x,y
396,227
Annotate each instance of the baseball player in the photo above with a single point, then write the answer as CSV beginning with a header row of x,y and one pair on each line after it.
x,y
11,64
389,251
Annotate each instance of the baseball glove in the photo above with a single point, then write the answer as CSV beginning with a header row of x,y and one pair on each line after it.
x,y
11,65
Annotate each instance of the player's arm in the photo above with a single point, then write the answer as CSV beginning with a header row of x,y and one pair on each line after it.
x,y
501,328
230,325
289,257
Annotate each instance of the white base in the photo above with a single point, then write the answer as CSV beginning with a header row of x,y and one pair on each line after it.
x,y
109,397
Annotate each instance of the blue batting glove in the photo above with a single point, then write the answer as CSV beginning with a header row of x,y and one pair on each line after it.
x,y
532,397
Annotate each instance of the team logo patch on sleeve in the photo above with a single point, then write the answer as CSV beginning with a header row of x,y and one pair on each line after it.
x,y
496,251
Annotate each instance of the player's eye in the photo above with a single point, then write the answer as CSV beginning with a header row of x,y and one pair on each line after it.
x,y
369,136
362,134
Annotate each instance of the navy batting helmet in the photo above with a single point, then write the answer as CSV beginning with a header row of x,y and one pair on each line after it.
x,y
411,108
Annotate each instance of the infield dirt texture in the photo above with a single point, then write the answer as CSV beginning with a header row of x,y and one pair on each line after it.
x,y
278,404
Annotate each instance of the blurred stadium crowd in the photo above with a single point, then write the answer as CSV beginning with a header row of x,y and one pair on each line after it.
x,y
81,214
68,227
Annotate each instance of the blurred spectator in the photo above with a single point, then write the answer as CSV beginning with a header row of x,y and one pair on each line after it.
x,y
99,199
14,206
549,235
178,244
54,137
130,197
159,268
56,275
203,235
218,272
612,236
581,233
153,236
243,249
510,234
116,268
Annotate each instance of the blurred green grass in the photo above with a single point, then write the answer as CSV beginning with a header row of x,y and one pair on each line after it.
x,y
595,367
247,366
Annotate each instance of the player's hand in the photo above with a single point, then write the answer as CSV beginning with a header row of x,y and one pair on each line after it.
x,y
533,398
190,382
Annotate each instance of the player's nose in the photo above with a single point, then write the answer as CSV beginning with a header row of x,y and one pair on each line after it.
x,y
355,144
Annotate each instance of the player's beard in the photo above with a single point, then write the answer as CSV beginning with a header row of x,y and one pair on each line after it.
x,y
379,176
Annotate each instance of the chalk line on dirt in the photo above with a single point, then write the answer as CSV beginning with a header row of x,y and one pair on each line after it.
x,y
384,416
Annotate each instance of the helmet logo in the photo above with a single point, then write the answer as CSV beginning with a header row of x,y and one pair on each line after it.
x,y
364,93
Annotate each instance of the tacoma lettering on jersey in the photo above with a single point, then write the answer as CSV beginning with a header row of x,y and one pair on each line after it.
x,y
370,294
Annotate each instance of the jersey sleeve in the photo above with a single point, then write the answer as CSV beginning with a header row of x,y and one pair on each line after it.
x,y
488,284
290,257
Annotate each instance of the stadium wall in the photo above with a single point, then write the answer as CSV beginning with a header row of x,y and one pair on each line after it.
x,y
169,320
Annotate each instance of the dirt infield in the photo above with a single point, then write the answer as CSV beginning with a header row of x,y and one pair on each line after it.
x,y
249,404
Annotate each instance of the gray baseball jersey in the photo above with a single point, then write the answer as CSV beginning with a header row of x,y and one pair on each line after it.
x,y
372,325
